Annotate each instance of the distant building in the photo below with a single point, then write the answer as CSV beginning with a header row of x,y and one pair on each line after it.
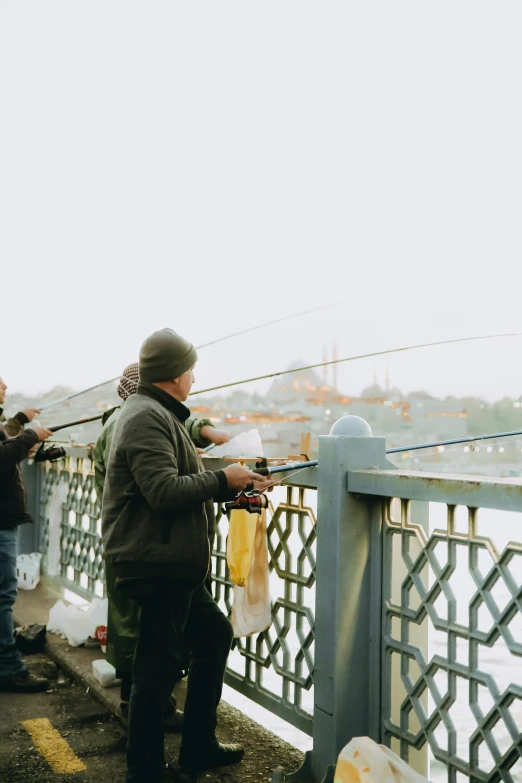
x,y
307,386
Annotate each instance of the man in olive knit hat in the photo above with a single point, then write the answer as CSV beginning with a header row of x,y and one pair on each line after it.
x,y
122,624
155,530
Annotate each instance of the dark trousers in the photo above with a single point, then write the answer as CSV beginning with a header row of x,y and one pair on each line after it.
x,y
10,658
176,615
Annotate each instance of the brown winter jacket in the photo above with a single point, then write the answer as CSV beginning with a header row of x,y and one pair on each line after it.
x,y
13,450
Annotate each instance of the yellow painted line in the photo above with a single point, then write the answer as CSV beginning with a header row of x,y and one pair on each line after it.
x,y
52,746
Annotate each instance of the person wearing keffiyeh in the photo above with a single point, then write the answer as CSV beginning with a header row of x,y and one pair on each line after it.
x,y
129,381
122,626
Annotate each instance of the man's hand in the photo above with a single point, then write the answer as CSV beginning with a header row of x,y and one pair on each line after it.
x,y
261,483
216,437
30,413
42,433
239,478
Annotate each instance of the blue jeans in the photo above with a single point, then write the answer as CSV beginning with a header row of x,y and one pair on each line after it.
x,y
10,658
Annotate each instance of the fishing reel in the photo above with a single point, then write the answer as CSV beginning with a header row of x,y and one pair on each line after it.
x,y
253,502
50,454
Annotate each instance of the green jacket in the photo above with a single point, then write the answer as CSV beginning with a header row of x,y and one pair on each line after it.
x,y
154,517
103,444
15,425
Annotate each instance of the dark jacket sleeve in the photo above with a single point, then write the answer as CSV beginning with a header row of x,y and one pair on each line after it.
x,y
225,493
153,462
15,450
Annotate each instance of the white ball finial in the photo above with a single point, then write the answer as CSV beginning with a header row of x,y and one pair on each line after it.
x,y
352,426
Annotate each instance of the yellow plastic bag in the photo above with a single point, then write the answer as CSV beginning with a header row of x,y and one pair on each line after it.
x,y
240,544
252,610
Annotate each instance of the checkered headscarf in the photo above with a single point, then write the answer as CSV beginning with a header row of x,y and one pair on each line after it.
x,y
129,381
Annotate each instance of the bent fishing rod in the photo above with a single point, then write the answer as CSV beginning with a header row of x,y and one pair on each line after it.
x,y
199,347
254,501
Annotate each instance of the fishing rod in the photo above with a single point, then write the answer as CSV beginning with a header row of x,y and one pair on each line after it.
x,y
59,427
198,347
54,453
269,471
253,501
354,358
453,442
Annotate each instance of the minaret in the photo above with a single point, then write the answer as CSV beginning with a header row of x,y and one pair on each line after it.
x,y
325,369
334,367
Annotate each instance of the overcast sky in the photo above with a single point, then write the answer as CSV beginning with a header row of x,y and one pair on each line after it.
x,y
212,165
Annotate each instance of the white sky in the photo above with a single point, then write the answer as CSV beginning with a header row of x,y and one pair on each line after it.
x,y
212,165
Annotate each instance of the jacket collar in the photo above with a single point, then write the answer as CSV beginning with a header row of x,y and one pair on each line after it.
x,y
175,406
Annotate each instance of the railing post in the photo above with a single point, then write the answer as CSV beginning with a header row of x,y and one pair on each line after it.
x,y
348,595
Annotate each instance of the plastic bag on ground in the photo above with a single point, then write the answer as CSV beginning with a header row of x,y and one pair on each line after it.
x,y
246,444
364,761
77,624
252,610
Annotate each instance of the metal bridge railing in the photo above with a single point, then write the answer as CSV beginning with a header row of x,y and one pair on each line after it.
x,y
70,526
273,669
451,622
397,606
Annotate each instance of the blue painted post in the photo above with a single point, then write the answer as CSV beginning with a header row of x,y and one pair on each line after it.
x,y
348,594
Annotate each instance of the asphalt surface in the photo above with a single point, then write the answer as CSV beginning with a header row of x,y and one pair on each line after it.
x,y
66,727
95,737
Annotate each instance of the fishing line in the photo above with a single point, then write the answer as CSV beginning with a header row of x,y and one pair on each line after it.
x,y
198,347
394,456
354,358
270,323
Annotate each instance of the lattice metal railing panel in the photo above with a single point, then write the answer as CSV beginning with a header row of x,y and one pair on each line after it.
x,y
452,639
48,482
81,552
275,668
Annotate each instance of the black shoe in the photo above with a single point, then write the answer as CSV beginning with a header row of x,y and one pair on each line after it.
x,y
25,682
217,755
173,722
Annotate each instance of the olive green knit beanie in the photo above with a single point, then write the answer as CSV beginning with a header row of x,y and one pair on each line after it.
x,y
165,355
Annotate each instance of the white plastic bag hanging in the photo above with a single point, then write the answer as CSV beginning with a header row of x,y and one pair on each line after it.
x,y
246,444
252,611
363,761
